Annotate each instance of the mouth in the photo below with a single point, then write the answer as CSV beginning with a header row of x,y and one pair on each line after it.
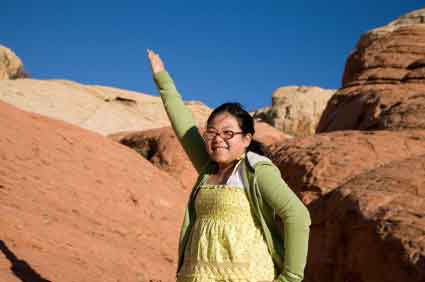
x,y
219,148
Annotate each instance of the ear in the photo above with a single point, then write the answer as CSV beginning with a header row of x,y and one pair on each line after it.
x,y
247,139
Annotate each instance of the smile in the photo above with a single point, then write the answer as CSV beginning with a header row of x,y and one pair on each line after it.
x,y
219,148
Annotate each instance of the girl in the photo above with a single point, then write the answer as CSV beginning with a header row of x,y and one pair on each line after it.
x,y
232,230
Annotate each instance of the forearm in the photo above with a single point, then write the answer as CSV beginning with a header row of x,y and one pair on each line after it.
x,y
296,235
181,120
295,218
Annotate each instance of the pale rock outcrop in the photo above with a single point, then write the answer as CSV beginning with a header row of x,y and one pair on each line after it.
x,y
98,108
11,66
296,110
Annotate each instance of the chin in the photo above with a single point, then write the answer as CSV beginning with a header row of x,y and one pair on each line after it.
x,y
222,159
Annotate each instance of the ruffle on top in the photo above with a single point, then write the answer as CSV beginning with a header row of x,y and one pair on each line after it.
x,y
226,243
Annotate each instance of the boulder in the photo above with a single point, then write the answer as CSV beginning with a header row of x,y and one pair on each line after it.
x,y
268,135
11,66
383,81
77,206
316,165
296,110
372,228
161,147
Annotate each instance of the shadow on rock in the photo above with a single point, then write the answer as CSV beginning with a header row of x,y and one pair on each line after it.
x,y
21,268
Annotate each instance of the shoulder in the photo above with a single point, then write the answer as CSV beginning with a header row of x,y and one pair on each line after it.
x,y
255,159
259,162
262,166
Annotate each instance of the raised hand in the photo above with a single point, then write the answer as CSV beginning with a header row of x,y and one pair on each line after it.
x,y
156,63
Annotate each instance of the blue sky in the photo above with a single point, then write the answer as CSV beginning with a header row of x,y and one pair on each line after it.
x,y
216,51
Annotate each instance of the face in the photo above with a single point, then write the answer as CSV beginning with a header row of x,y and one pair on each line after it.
x,y
221,150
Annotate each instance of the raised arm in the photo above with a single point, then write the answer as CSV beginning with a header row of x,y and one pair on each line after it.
x,y
295,218
180,116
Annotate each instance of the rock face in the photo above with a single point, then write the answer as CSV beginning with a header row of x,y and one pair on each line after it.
x,y
11,66
268,135
76,206
372,228
384,80
101,109
161,147
316,165
363,177
103,213
296,110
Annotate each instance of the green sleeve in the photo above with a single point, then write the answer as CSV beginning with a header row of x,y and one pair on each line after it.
x,y
182,121
295,217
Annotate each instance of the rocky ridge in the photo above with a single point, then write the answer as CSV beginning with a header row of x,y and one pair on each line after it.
x,y
362,176
101,109
161,147
383,81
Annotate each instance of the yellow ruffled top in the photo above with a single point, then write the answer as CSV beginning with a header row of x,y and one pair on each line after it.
x,y
225,243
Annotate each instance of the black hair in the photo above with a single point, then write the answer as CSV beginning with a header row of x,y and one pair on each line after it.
x,y
245,121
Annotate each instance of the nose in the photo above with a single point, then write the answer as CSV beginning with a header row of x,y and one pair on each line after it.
x,y
218,139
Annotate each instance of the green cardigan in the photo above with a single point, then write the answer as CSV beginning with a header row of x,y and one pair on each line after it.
x,y
273,202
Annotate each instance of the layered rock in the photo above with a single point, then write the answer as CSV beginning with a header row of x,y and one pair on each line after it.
x,y
316,165
161,147
383,81
76,206
11,66
101,109
364,184
296,110
372,228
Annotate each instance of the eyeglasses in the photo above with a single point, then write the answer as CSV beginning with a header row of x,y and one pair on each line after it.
x,y
226,134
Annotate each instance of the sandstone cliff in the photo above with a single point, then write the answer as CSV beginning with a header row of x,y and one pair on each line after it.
x,y
383,81
76,206
363,176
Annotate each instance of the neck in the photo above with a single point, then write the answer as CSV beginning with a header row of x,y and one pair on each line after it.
x,y
225,168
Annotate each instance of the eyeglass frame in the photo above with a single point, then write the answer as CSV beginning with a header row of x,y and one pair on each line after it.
x,y
218,133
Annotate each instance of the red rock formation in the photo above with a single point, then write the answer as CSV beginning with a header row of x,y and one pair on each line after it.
x,y
372,228
268,135
365,189
384,80
313,166
76,206
162,148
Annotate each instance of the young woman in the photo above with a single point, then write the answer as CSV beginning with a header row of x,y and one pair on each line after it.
x,y
242,222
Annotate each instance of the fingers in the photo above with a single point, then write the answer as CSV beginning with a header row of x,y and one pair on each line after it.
x,y
156,62
153,56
